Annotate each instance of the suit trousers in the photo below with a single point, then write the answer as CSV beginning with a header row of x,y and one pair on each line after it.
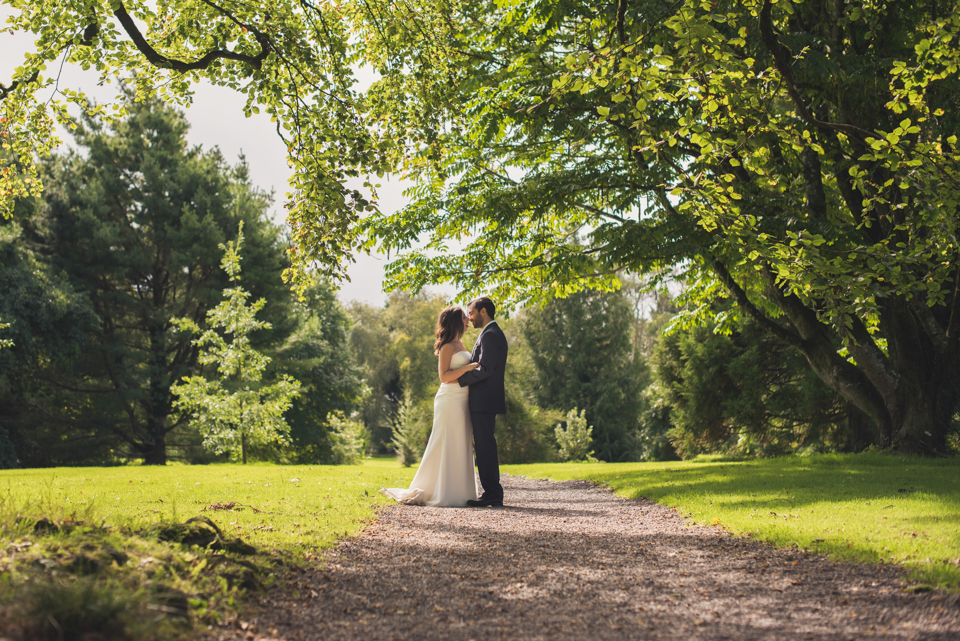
x,y
485,447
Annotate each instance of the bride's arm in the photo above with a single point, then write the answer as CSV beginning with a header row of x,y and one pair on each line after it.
x,y
448,375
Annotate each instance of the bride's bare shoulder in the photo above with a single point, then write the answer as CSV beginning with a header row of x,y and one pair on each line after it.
x,y
446,348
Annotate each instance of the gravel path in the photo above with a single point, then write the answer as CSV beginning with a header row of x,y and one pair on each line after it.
x,y
573,561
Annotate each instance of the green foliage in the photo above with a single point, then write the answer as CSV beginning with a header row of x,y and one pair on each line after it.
x,y
870,507
576,438
525,433
129,226
797,159
235,407
317,354
49,322
585,357
655,425
291,60
45,318
745,393
393,346
349,440
411,426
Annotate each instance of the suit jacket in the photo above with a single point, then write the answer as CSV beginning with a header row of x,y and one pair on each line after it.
x,y
486,382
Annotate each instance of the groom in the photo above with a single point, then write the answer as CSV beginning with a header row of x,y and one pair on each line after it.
x,y
487,398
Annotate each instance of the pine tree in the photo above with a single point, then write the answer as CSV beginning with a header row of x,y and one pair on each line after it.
x,y
583,350
135,220
234,409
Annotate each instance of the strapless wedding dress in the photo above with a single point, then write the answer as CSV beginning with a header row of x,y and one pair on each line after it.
x,y
445,476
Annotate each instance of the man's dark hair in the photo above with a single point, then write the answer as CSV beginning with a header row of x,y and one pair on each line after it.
x,y
484,303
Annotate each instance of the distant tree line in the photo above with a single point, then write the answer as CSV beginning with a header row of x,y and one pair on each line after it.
x,y
647,393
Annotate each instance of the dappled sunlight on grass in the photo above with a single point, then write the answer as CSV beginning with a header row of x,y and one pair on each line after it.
x,y
865,507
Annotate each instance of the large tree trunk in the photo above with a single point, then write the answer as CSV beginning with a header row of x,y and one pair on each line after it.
x,y
910,391
157,452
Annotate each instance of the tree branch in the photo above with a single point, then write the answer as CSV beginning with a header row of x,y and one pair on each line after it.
x,y
159,60
930,325
621,18
6,91
781,60
752,310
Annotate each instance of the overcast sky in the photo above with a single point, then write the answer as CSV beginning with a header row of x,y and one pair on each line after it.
x,y
216,119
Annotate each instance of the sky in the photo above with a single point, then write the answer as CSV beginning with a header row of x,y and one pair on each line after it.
x,y
216,119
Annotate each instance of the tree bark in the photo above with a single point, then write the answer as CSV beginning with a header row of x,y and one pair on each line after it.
x,y
910,392
157,454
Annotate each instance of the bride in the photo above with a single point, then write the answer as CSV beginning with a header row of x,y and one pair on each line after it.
x,y
445,476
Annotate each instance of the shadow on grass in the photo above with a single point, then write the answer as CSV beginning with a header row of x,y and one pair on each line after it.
x,y
865,508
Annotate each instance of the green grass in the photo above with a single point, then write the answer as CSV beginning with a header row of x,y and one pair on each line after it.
x,y
74,574
864,508
273,510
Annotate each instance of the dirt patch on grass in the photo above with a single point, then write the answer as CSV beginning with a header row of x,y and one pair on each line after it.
x,y
571,560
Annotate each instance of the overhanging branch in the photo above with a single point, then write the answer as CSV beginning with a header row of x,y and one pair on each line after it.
x,y
752,310
159,60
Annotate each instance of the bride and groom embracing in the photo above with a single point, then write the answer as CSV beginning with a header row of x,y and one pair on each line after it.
x,y
471,394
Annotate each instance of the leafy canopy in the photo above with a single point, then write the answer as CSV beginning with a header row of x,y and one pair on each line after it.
x,y
797,157
290,58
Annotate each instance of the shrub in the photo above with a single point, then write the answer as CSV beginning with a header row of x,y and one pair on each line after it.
x,y
348,440
524,433
411,425
576,439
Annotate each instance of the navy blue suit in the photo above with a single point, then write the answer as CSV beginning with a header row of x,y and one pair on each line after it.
x,y
487,399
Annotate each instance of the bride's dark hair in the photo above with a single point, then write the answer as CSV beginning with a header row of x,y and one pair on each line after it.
x,y
449,327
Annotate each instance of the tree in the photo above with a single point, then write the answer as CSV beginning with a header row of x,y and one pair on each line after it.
x,y
317,353
134,222
48,325
234,409
289,58
394,348
576,438
746,393
410,432
797,158
585,358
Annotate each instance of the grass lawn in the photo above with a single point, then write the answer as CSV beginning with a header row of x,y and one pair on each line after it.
x,y
108,547
859,507
278,507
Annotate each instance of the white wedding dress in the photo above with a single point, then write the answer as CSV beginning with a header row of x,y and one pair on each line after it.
x,y
445,476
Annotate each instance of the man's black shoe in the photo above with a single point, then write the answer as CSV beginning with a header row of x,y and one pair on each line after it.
x,y
484,502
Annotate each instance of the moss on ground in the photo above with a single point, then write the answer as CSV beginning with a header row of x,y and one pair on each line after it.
x,y
158,552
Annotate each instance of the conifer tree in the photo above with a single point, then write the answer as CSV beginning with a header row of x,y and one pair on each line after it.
x,y
134,219
235,408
